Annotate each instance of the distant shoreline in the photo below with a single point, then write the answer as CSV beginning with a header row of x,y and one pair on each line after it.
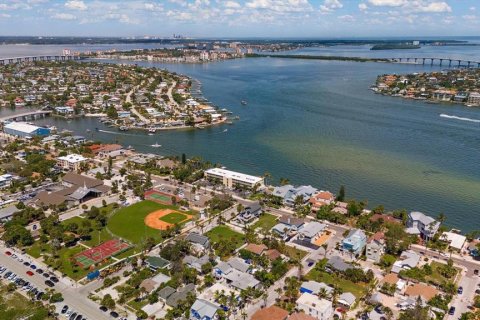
x,y
327,58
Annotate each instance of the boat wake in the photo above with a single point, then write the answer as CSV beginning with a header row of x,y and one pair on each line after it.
x,y
459,118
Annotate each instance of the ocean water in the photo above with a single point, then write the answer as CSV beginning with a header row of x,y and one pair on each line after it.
x,y
316,122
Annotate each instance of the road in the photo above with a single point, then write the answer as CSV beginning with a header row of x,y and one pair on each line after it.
x,y
76,301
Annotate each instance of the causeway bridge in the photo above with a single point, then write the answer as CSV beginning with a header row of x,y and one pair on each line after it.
x,y
438,62
4,61
26,116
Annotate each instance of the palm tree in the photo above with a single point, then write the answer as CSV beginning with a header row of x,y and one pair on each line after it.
x,y
266,176
323,294
441,218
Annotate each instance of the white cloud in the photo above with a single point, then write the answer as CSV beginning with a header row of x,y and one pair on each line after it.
x,y
433,7
362,6
232,5
76,5
347,18
472,8
387,3
4,15
64,16
470,17
330,5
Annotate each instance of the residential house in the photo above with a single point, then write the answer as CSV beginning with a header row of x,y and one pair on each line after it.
x,y
288,226
270,313
421,224
257,249
155,263
408,259
314,306
196,263
419,289
311,232
346,299
355,242
250,213
375,247
320,199
173,297
314,287
455,240
337,264
204,310
200,243
289,194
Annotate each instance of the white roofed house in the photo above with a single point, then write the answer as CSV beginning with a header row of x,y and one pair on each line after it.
x,y
421,224
408,259
71,162
311,232
313,306
232,179
289,193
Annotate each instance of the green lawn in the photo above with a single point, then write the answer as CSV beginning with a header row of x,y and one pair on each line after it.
x,y
294,253
436,277
13,305
224,233
265,222
128,223
174,218
358,290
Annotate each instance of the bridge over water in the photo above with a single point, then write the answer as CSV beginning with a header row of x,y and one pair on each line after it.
x,y
26,116
39,58
438,61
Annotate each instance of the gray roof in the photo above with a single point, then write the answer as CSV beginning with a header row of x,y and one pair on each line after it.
x,y
315,286
238,264
204,309
348,297
166,292
7,212
241,280
195,262
338,264
198,238
312,229
181,294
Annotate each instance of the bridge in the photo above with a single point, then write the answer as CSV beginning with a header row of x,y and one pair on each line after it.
x,y
26,116
438,61
5,61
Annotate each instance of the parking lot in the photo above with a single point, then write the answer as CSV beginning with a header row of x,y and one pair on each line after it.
x,y
28,277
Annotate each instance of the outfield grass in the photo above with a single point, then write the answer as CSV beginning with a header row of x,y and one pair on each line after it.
x,y
174,218
224,233
358,290
128,223
265,222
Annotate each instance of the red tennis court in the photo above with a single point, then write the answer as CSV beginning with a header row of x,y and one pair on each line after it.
x,y
99,253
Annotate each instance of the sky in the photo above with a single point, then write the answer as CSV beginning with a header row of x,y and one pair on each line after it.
x,y
240,18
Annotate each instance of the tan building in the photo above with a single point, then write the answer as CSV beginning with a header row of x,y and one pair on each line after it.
x,y
71,162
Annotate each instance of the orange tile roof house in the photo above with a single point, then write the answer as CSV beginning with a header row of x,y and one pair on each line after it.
x,y
270,313
300,316
422,290
257,249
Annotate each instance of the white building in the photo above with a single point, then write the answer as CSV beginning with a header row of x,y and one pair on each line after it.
x,y
232,179
454,240
313,306
71,161
421,224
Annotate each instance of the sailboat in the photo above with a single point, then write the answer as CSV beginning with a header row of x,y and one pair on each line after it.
x,y
156,145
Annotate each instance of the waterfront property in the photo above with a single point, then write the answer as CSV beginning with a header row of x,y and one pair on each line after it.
x,y
71,162
24,130
421,224
232,179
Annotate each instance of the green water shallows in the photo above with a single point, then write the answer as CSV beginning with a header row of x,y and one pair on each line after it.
x,y
316,122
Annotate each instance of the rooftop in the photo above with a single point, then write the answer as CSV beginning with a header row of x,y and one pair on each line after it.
x,y
234,175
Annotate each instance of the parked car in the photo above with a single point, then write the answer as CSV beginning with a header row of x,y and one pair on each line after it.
x,y
49,283
64,309
113,314
54,279
32,266
451,311
30,273
103,308
8,253
39,271
460,290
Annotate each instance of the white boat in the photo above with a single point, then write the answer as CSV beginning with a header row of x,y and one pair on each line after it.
x,y
156,145
152,130
225,130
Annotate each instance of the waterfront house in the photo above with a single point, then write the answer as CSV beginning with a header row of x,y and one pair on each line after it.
x,y
355,242
313,306
474,98
421,224
289,194
320,199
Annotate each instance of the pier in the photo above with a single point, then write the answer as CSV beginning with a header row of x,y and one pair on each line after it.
x,y
26,116
438,62
12,60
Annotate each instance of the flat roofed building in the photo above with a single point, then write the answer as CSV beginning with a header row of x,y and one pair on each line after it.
x,y
23,129
231,178
71,161
313,306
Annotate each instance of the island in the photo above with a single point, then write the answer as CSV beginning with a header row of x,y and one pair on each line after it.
x,y
452,86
